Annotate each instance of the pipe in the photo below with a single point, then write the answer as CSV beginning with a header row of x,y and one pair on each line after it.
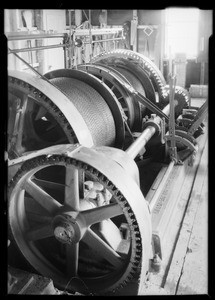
x,y
166,109
140,142
70,39
106,40
37,48
33,36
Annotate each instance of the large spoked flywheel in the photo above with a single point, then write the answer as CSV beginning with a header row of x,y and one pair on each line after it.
x,y
79,219
40,115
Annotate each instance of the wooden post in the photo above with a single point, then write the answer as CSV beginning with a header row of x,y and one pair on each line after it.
x,y
134,23
11,24
162,40
202,73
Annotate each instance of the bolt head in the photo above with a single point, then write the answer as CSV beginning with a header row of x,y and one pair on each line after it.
x,y
64,235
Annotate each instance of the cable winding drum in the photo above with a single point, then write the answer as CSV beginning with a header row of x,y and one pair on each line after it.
x,y
92,107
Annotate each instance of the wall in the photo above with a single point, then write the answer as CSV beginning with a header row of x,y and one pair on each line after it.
x,y
22,20
54,20
205,31
12,21
151,46
150,17
148,45
197,71
119,17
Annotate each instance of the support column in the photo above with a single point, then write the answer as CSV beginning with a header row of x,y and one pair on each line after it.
x,y
78,51
134,23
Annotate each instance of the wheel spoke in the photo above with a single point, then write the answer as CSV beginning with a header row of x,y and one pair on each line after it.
x,y
39,218
43,198
39,233
49,184
20,128
101,213
102,248
72,260
72,187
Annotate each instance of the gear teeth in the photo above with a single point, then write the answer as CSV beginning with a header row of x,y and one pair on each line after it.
x,y
157,79
135,261
49,105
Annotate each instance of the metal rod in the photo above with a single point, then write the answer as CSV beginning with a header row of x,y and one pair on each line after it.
x,y
172,109
166,109
140,142
30,67
97,31
91,39
34,36
37,48
70,39
105,40
161,186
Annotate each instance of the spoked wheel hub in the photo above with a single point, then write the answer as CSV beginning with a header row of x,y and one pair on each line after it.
x,y
73,217
68,229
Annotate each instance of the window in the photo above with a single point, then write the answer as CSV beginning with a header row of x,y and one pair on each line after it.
x,y
182,26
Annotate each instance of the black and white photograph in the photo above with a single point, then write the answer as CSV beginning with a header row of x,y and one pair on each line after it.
x,y
107,151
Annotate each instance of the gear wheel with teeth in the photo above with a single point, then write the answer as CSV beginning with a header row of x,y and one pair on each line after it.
x,y
63,237
35,119
154,73
181,95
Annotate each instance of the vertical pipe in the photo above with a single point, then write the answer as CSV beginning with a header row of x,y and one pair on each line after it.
x,y
90,31
78,20
70,39
172,109
163,39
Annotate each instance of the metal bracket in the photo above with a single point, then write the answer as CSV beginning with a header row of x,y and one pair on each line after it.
x,y
177,135
162,127
172,149
198,118
173,153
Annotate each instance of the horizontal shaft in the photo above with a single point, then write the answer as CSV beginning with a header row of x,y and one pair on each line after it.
x,y
135,148
140,142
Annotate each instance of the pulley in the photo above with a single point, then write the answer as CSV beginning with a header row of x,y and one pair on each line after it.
x,y
40,115
63,229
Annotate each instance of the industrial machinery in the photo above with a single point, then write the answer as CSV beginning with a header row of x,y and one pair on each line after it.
x,y
77,142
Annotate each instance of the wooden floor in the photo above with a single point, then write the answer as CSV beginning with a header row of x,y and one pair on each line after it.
x,y
184,269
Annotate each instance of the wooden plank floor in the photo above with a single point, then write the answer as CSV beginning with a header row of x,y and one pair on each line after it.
x,y
191,248
184,269
194,276
194,272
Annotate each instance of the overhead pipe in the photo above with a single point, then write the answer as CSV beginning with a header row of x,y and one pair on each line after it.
x,y
37,48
